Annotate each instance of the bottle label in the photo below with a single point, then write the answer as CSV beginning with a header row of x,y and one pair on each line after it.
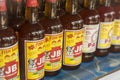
x,y
72,47
90,38
3,5
53,53
105,33
34,54
116,32
9,63
32,3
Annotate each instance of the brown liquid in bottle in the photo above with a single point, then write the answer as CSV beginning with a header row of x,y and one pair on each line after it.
x,y
8,46
91,26
115,47
17,15
106,24
73,24
53,30
31,33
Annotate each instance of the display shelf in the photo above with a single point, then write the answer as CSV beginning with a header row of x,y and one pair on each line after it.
x,y
92,70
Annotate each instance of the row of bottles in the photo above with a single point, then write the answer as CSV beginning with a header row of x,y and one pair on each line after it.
x,y
56,38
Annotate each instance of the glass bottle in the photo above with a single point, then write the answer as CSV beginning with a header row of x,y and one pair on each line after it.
x,y
60,10
73,36
106,24
17,15
9,55
31,44
53,38
115,46
41,8
91,26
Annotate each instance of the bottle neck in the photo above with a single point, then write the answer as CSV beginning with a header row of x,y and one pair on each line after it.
x,y
3,20
106,3
41,5
3,15
71,6
90,4
116,1
59,3
51,9
32,15
17,9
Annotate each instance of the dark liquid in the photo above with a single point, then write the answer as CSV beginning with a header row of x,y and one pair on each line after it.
x,y
48,24
116,48
7,37
90,17
16,16
105,16
28,32
66,20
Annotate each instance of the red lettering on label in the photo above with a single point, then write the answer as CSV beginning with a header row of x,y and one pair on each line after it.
x,y
40,61
91,45
78,49
55,54
107,40
11,69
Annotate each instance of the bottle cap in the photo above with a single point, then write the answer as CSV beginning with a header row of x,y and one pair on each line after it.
x,y
32,3
3,5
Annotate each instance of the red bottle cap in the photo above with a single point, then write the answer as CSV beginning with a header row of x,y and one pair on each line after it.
x,y
52,1
32,3
3,5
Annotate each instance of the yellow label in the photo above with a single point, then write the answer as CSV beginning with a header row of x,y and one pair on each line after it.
x,y
53,53
9,63
72,53
34,51
105,34
116,33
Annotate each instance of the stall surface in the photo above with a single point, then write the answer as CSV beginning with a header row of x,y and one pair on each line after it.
x,y
92,70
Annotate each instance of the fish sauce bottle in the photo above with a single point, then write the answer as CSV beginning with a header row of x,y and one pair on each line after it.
x,y
115,43
9,55
91,27
31,44
106,13
53,39
73,36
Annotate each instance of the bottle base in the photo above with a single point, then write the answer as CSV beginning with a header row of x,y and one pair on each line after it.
x,y
87,57
64,67
115,48
54,73
102,52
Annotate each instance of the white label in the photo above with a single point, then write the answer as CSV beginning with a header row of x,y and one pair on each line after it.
x,y
90,38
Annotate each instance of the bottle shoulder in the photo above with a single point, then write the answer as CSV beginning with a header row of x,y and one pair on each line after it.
x,y
90,16
71,21
31,31
7,37
52,25
106,13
